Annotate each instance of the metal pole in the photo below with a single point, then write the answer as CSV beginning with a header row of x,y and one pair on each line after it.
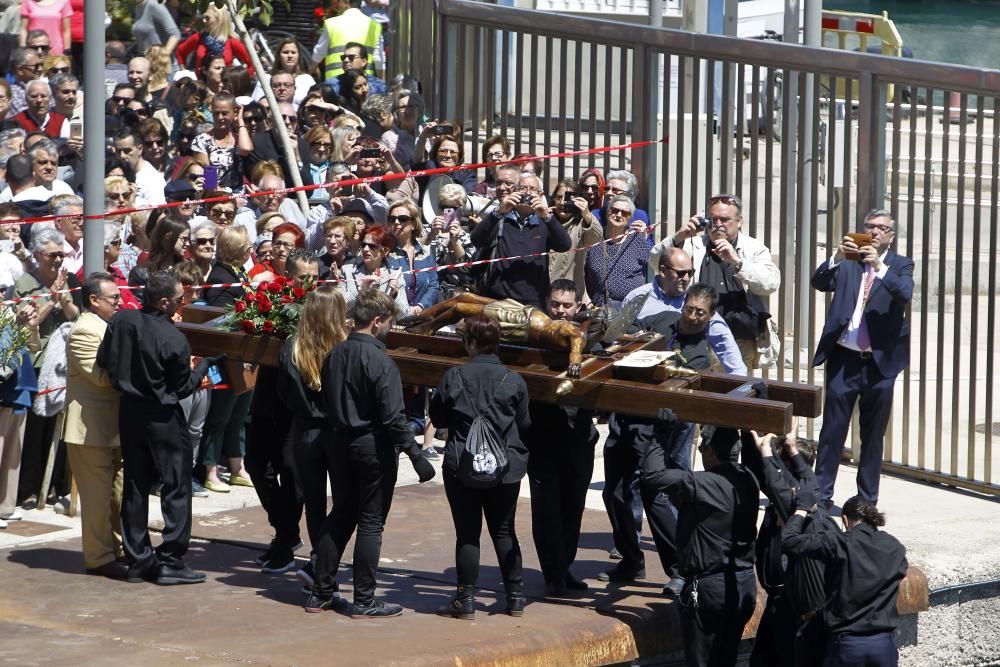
x,y
656,13
278,124
94,96
812,36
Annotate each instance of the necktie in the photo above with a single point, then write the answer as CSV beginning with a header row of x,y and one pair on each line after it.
x,y
864,342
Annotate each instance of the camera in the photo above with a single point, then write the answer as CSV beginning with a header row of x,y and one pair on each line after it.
x,y
442,129
347,191
370,152
568,203
525,200
704,222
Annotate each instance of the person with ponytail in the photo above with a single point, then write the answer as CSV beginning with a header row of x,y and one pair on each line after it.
x,y
322,325
864,566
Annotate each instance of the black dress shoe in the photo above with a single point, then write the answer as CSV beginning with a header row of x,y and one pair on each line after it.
x,y
621,573
574,584
113,570
555,589
167,575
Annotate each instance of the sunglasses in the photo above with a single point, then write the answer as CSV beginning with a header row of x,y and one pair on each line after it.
x,y
729,200
44,48
117,99
620,211
55,255
682,272
154,142
291,120
118,196
222,213
400,218
58,70
209,241
371,245
195,175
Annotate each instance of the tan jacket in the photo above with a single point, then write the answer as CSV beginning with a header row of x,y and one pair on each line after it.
x,y
91,401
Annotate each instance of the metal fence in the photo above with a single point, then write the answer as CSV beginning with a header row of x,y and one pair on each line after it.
x,y
763,120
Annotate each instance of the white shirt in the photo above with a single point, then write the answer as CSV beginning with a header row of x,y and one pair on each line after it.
x,y
150,183
849,338
73,261
37,192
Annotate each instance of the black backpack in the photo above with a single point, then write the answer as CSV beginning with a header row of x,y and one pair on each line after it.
x,y
483,461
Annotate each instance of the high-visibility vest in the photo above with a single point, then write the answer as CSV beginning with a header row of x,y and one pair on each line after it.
x,y
351,26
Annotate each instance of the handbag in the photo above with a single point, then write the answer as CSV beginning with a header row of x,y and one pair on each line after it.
x,y
483,461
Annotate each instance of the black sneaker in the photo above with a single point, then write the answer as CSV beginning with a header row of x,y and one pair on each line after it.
x,y
167,575
515,604
376,609
574,584
315,604
281,562
431,454
620,573
271,551
306,575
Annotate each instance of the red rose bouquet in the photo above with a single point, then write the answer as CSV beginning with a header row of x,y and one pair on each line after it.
x,y
274,308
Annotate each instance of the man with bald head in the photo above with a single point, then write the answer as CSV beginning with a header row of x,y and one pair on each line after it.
x,y
268,146
37,117
138,76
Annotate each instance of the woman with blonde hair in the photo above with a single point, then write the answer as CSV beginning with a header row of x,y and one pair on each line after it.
x,y
323,325
344,147
216,39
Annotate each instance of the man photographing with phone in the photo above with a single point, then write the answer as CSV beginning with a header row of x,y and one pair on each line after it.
x,y
865,344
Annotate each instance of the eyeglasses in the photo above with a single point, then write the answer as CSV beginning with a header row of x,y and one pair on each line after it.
x,y
195,175
402,219
118,99
617,191
185,240
447,151
729,200
371,245
252,120
291,120
37,67
623,212
593,187
528,190
111,298
682,272
55,255
44,48
321,144
119,196
142,111
222,213
350,57
691,311
58,70
871,226
495,155
155,142
208,241
283,244
116,242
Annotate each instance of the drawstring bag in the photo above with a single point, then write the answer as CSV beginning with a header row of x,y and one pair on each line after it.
x,y
483,461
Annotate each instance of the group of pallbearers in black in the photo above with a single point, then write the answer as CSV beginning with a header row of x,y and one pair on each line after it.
x,y
831,593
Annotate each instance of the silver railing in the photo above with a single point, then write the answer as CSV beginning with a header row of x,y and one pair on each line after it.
x,y
810,138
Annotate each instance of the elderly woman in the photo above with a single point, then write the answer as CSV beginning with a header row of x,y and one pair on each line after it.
x,y
447,151
320,140
618,266
572,211
371,270
203,247
337,235
284,239
112,248
411,258
49,283
495,149
449,241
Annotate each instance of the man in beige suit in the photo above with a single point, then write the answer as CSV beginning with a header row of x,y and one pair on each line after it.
x,y
95,455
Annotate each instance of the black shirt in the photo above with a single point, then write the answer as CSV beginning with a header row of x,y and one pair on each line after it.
x,y
364,394
717,513
504,404
147,358
302,401
692,348
864,566
220,297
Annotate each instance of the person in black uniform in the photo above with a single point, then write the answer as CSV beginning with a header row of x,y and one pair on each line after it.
x,y
716,527
628,437
482,386
790,633
323,325
864,566
364,402
149,362
561,442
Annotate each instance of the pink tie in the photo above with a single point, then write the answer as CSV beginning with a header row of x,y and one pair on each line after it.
x,y
864,342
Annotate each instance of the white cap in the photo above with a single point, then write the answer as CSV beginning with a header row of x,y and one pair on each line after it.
x,y
184,74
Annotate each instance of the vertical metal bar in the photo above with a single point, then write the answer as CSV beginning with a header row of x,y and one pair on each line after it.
x,y
786,209
680,135
504,37
769,169
578,103
710,130
941,302
801,216
478,83
925,289
890,440
991,302
518,91
974,306
643,86
740,130
490,48
753,200
459,72
550,177
628,91
726,128
609,59
849,220
911,233
867,151
564,89
533,95
697,200
668,141
592,102
809,317
959,237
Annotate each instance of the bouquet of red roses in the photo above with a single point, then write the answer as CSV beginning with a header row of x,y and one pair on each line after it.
x,y
274,307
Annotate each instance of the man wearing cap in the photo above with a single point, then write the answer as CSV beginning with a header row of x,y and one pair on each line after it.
x,y
716,533
181,191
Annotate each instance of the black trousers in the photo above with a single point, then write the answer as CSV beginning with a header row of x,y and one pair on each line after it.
x,y
559,481
364,475
712,629
156,445
878,650
268,461
775,641
38,433
626,440
312,470
499,506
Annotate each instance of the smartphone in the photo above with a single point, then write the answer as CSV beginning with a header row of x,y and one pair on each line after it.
x,y
347,191
213,375
443,129
7,246
76,129
211,178
370,152
450,215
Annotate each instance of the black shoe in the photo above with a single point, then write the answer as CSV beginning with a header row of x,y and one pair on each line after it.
x,y
555,589
376,609
315,604
140,576
621,573
112,570
462,606
169,576
280,562
306,575
515,604
674,586
431,454
614,554
574,584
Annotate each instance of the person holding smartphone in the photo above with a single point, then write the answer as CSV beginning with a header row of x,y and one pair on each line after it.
x,y
570,207
225,144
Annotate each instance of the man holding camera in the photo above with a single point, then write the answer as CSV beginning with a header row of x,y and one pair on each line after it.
x,y
520,226
865,344
737,265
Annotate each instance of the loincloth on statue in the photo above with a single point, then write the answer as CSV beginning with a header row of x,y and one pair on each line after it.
x,y
514,319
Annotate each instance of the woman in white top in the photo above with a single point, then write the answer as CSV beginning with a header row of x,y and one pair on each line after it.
x,y
289,58
370,270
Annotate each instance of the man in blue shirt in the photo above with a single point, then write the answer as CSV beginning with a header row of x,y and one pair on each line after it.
x,y
666,292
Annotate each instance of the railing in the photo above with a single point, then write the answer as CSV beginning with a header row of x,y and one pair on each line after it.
x,y
757,119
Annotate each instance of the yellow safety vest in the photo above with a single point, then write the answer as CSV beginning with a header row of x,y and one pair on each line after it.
x,y
349,27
